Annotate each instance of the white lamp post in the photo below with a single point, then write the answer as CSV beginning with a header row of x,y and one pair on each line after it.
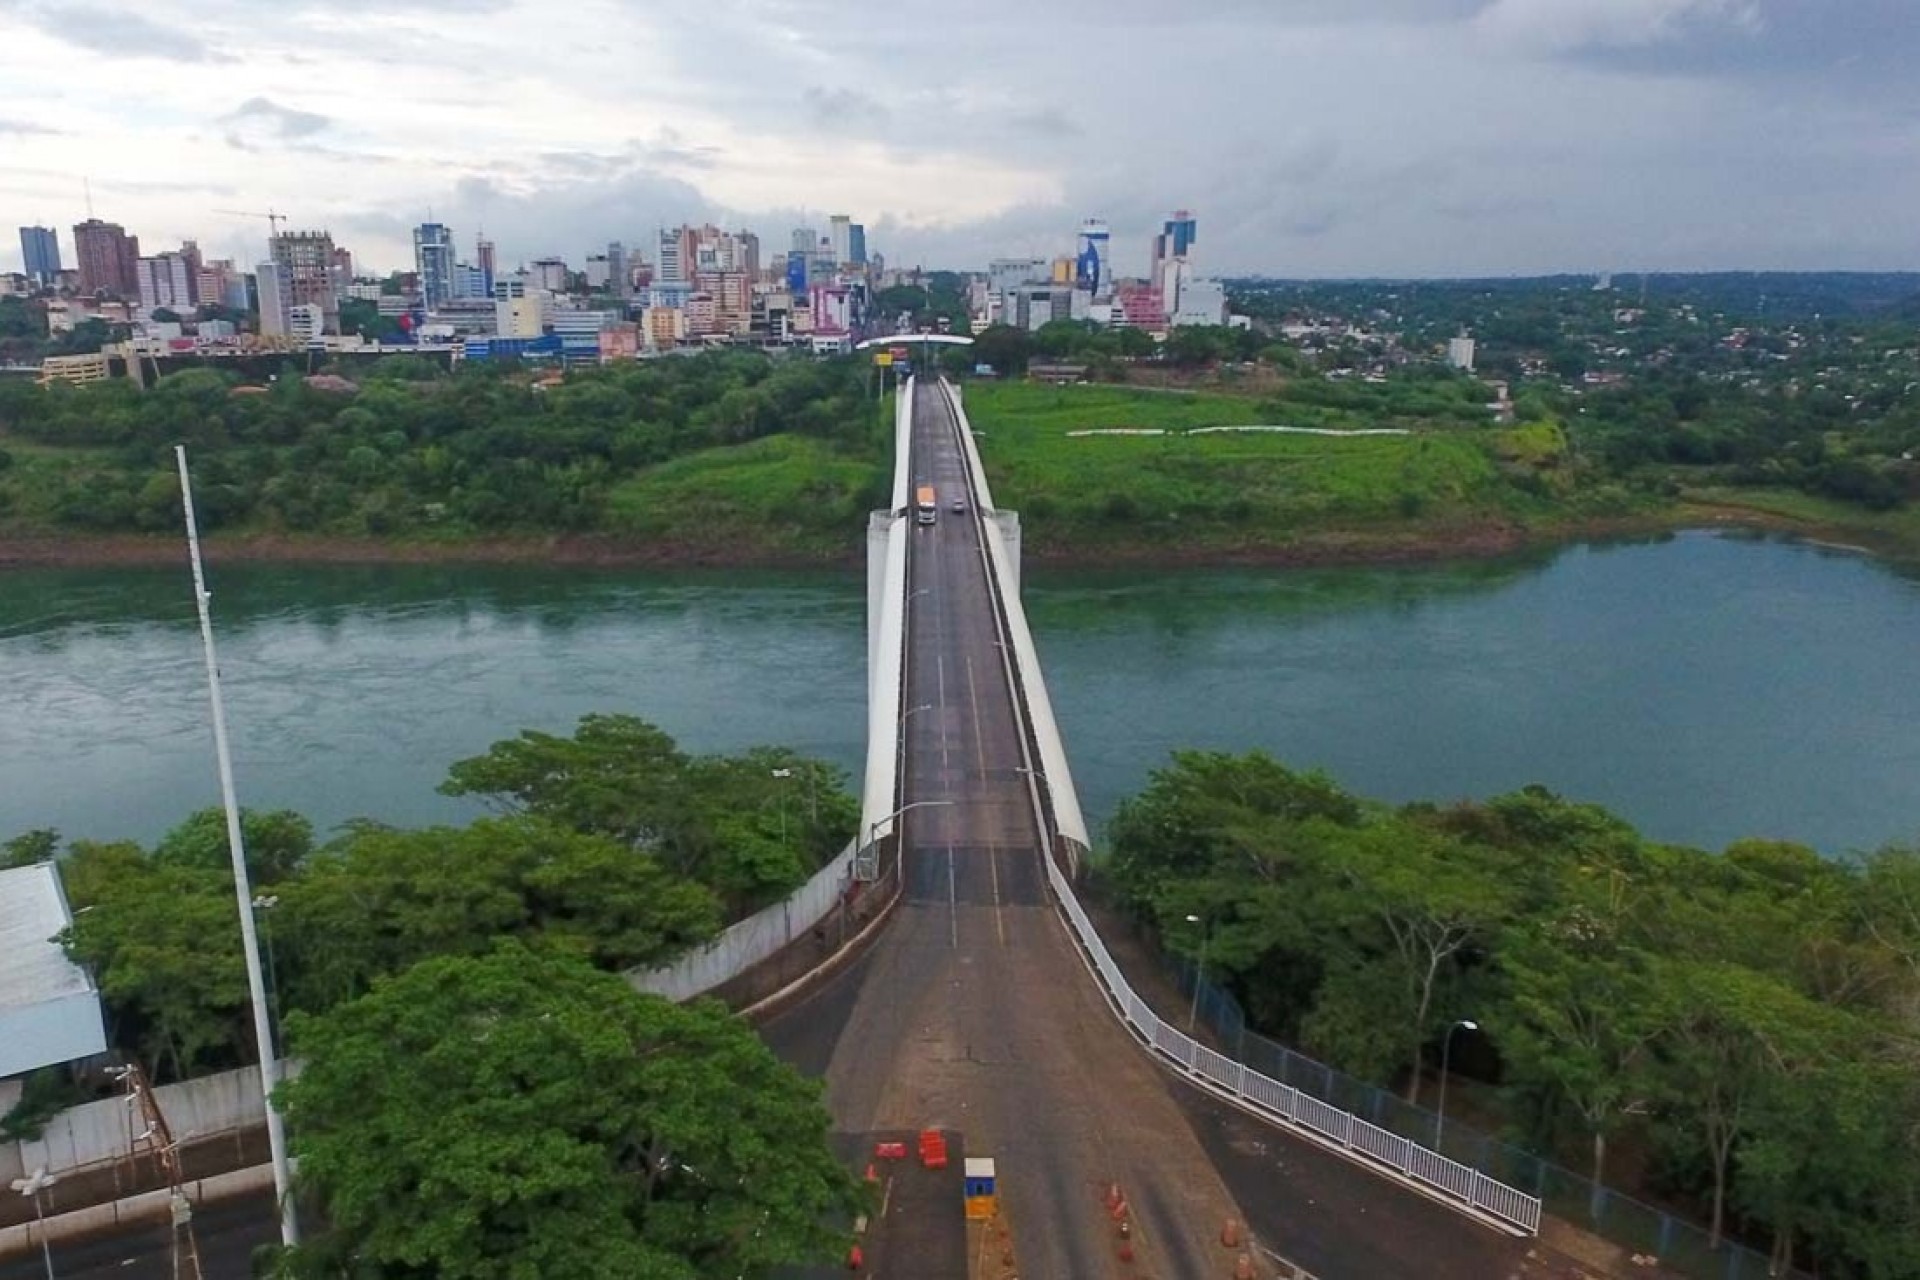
x,y
32,1187
1446,1049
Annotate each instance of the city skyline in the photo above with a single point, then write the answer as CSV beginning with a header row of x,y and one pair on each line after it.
x,y
1383,137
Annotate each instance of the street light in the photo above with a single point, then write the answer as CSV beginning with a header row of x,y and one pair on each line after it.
x,y
1199,973
32,1187
1446,1048
866,859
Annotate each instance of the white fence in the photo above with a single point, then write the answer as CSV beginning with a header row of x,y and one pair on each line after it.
x,y
747,943
100,1131
1301,1112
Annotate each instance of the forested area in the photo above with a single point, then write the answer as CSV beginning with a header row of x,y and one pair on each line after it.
x,y
413,451
1742,1023
612,845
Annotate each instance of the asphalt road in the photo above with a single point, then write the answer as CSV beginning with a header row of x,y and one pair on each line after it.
x,y
974,1012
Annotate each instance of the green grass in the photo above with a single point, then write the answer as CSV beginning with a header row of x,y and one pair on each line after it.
x,y
1894,533
786,494
1229,489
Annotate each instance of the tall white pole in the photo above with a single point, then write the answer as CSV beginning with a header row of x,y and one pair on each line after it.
x,y
242,890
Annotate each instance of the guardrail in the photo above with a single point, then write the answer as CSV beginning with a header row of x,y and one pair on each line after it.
x,y
1329,1126
1447,1180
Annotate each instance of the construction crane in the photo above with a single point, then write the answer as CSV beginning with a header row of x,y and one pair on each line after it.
x,y
273,218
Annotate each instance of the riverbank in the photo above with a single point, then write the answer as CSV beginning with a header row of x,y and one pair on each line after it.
x,y
1416,542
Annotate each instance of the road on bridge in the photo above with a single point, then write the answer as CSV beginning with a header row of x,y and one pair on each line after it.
x,y
975,1012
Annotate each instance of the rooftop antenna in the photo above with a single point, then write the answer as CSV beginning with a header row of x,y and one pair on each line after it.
x,y
243,893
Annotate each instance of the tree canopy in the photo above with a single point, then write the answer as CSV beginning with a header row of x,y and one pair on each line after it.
x,y
1723,1010
520,1114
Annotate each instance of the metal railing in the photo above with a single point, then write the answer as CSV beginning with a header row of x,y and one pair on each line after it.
x,y
1283,1103
1680,1244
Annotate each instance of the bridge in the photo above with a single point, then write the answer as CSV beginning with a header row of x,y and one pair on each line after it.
x,y
990,1006
987,1004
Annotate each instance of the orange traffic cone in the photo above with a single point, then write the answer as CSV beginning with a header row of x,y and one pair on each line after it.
x,y
872,1175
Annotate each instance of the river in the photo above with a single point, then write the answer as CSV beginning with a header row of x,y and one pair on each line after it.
x,y
1706,687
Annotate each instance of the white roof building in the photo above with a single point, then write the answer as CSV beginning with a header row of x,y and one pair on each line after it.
x,y
49,1010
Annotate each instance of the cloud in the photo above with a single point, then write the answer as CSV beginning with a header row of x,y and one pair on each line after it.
x,y
284,122
1569,26
1046,122
27,129
121,33
842,107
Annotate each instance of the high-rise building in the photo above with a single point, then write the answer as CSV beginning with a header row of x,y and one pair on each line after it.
x,y
271,284
166,280
190,254
305,260
1173,258
1093,262
670,265
804,239
483,259
213,282
857,244
619,279
109,258
550,274
840,233
40,247
433,261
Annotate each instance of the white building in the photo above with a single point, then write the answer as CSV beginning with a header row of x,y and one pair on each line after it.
x,y
1460,353
550,274
306,322
840,235
519,309
274,300
49,1010
166,280
1202,302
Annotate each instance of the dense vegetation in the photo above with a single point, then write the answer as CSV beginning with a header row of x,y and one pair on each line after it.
x,y
1189,489
1744,1018
613,846
718,450
517,1113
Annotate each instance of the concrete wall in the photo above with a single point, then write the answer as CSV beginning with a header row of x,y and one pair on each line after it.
x,y
101,1131
752,940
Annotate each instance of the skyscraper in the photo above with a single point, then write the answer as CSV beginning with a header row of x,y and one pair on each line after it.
x,y
618,277
166,280
857,244
271,284
841,233
305,260
108,258
41,249
483,258
1173,259
433,260
1092,262
804,239
670,264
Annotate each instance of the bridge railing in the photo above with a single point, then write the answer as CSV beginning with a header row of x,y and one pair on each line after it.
x,y
1301,1112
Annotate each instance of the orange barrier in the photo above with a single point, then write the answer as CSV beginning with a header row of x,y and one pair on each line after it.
x,y
933,1149
890,1150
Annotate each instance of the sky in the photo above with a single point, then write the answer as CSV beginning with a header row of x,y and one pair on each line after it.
x,y
1309,137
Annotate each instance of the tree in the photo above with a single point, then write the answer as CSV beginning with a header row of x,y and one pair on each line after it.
x,y
42,844
276,843
519,1114
719,820
382,900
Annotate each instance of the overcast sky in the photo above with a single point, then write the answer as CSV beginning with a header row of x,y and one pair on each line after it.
x,y
1310,137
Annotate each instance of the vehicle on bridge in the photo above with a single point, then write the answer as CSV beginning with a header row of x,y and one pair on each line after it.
x,y
925,505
